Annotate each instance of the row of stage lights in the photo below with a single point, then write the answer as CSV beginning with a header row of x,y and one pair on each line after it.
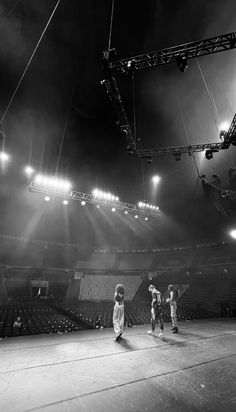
x,y
83,203
60,187
99,194
147,205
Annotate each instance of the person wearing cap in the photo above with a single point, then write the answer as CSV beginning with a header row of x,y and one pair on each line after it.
x,y
119,311
156,311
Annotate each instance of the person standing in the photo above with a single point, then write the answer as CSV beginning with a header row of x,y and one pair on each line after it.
x,y
173,307
156,311
119,311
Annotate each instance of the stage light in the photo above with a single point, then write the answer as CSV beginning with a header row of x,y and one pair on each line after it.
x,y
156,179
83,203
224,126
177,156
47,198
38,179
140,204
146,218
29,171
208,154
113,209
233,233
4,156
182,62
104,195
126,212
65,202
136,216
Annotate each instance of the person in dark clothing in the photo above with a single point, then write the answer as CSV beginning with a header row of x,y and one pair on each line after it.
x,y
156,311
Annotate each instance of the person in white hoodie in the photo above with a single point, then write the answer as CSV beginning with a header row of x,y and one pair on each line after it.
x,y
119,311
156,311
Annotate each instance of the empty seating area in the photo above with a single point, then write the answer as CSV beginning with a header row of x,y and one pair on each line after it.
x,y
36,317
102,287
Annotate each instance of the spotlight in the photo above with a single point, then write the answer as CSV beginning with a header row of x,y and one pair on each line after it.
x,y
208,154
4,156
65,202
113,209
177,156
146,218
47,198
126,212
83,203
29,171
224,126
182,62
233,233
156,179
149,159
136,216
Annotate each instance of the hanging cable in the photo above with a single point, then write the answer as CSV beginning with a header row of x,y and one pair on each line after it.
x,y
111,23
4,19
65,126
187,135
134,109
28,64
210,95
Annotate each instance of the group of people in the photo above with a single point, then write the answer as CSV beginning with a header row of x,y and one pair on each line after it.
x,y
156,310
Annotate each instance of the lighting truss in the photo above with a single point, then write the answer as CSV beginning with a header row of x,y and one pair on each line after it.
x,y
129,65
229,136
88,198
171,54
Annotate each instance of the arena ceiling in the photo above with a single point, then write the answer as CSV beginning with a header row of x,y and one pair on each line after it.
x,y
60,118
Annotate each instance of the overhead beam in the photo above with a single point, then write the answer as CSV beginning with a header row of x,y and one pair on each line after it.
x,y
229,137
169,55
89,198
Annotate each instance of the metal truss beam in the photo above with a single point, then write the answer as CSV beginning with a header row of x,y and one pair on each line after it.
x,y
122,120
88,198
228,137
173,54
177,150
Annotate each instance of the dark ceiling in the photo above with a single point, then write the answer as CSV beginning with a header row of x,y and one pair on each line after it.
x,y
171,108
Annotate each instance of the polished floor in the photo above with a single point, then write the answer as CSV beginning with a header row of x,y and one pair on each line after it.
x,y
194,370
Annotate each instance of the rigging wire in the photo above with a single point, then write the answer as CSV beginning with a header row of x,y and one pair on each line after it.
x,y
111,24
4,19
210,95
188,142
28,64
65,125
187,135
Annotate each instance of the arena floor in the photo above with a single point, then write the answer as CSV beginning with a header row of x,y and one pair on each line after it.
x,y
88,371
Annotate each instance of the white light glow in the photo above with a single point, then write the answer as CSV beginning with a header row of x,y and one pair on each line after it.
x,y
146,218
113,209
156,179
136,216
126,212
224,126
29,170
233,233
65,202
4,156
47,198
83,203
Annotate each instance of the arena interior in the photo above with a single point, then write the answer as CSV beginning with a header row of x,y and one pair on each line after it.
x,y
116,169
